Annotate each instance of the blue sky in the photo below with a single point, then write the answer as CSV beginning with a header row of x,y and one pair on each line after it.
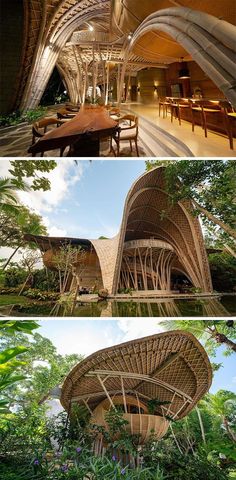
x,y
88,336
85,200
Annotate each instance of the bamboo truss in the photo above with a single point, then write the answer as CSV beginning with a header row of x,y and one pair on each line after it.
x,y
150,246
171,367
53,28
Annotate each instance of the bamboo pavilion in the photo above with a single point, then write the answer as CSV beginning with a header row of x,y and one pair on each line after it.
x,y
158,242
171,368
175,56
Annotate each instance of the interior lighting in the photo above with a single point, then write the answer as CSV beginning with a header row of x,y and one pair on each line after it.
x,y
91,28
183,71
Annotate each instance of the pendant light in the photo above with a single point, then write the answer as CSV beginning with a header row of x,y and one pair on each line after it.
x,y
183,71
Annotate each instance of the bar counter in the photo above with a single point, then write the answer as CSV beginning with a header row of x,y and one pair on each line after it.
x,y
215,121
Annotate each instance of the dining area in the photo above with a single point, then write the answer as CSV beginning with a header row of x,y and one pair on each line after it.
x,y
89,130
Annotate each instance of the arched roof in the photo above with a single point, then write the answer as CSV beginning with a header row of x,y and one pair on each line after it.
x,y
55,29
170,366
149,212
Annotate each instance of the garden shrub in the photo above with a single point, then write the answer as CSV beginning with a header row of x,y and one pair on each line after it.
x,y
17,117
46,280
42,296
14,276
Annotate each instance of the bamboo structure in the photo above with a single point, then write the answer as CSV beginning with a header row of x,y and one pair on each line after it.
x,y
150,247
171,369
52,29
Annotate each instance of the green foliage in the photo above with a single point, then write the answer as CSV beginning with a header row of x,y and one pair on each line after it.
x,y
211,186
213,333
223,272
14,277
153,405
32,170
176,465
45,279
9,357
14,225
18,117
42,296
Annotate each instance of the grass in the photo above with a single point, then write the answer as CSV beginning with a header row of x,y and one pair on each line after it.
x,y
13,300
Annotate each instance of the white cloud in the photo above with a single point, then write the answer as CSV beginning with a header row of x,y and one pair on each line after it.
x,y
53,230
82,339
138,328
62,178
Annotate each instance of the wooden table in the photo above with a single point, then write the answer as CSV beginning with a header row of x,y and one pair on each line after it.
x,y
83,133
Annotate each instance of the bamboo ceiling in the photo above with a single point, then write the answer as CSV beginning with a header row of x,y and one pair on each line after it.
x,y
171,367
67,23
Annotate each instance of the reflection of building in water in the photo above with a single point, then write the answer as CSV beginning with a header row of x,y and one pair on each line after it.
x,y
213,308
145,308
152,380
159,247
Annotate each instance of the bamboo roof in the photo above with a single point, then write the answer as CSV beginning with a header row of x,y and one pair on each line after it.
x,y
171,367
65,24
143,220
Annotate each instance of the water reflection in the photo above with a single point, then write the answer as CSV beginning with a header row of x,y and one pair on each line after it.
x,y
202,307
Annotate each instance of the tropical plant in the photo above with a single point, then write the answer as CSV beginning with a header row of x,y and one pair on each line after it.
x,y
210,185
8,195
213,332
223,404
9,357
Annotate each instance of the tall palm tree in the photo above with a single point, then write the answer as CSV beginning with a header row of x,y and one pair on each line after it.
x,y
28,223
9,201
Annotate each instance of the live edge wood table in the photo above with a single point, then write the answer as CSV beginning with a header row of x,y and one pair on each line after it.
x,y
83,133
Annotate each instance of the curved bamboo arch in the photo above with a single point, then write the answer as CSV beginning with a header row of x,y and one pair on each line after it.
x,y
210,41
199,269
48,51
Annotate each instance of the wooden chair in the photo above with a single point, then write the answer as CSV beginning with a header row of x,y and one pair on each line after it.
x,y
114,113
174,110
64,113
127,133
204,107
163,104
183,104
43,125
229,115
72,107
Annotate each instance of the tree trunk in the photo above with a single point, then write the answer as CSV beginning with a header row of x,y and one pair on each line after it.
x,y
221,338
22,289
201,424
214,219
11,256
228,429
